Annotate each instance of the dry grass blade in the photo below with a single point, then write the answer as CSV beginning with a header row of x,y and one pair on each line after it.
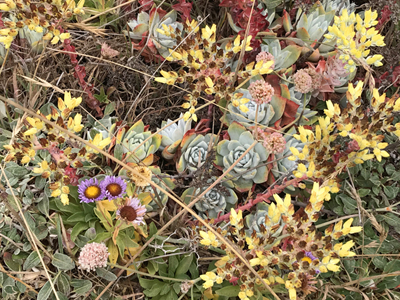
x,y
43,83
85,27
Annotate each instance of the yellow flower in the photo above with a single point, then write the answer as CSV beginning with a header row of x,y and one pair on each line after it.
x,y
43,168
242,296
237,46
99,142
4,7
209,279
332,109
209,239
354,93
381,153
70,102
78,10
75,123
236,218
259,260
208,33
284,206
168,77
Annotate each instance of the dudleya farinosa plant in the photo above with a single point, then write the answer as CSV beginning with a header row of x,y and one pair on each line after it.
x,y
268,113
194,151
154,24
283,58
248,118
219,199
311,27
173,135
137,144
338,6
250,169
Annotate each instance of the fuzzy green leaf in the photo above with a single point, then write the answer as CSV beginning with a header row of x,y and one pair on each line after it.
x,y
45,291
62,262
32,261
229,291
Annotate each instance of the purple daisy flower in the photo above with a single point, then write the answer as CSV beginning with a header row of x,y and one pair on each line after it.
x,y
89,191
132,211
113,187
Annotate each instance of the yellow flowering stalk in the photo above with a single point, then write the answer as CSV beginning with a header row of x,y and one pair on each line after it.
x,y
43,26
354,36
346,137
60,170
289,251
206,67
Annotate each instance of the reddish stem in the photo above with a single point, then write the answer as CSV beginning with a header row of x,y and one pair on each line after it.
x,y
263,197
80,74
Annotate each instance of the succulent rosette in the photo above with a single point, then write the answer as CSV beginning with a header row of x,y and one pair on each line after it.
x,y
283,58
139,144
113,187
235,114
312,26
89,190
173,135
219,199
250,169
278,110
154,24
194,151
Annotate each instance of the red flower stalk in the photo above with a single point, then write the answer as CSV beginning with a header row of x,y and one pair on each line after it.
x,y
80,74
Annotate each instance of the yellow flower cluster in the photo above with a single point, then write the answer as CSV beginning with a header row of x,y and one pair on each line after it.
x,y
207,66
40,136
37,18
354,35
289,251
346,137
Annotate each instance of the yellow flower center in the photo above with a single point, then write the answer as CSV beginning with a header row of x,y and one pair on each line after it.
x,y
92,192
114,189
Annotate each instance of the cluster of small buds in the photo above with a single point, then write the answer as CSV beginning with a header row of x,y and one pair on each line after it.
x,y
207,65
274,142
93,256
289,252
261,91
37,135
346,137
40,17
302,81
265,56
354,35
307,80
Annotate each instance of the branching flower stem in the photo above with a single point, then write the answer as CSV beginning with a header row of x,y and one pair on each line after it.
x,y
262,197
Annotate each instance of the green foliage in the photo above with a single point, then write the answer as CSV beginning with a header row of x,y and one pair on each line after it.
x,y
182,267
